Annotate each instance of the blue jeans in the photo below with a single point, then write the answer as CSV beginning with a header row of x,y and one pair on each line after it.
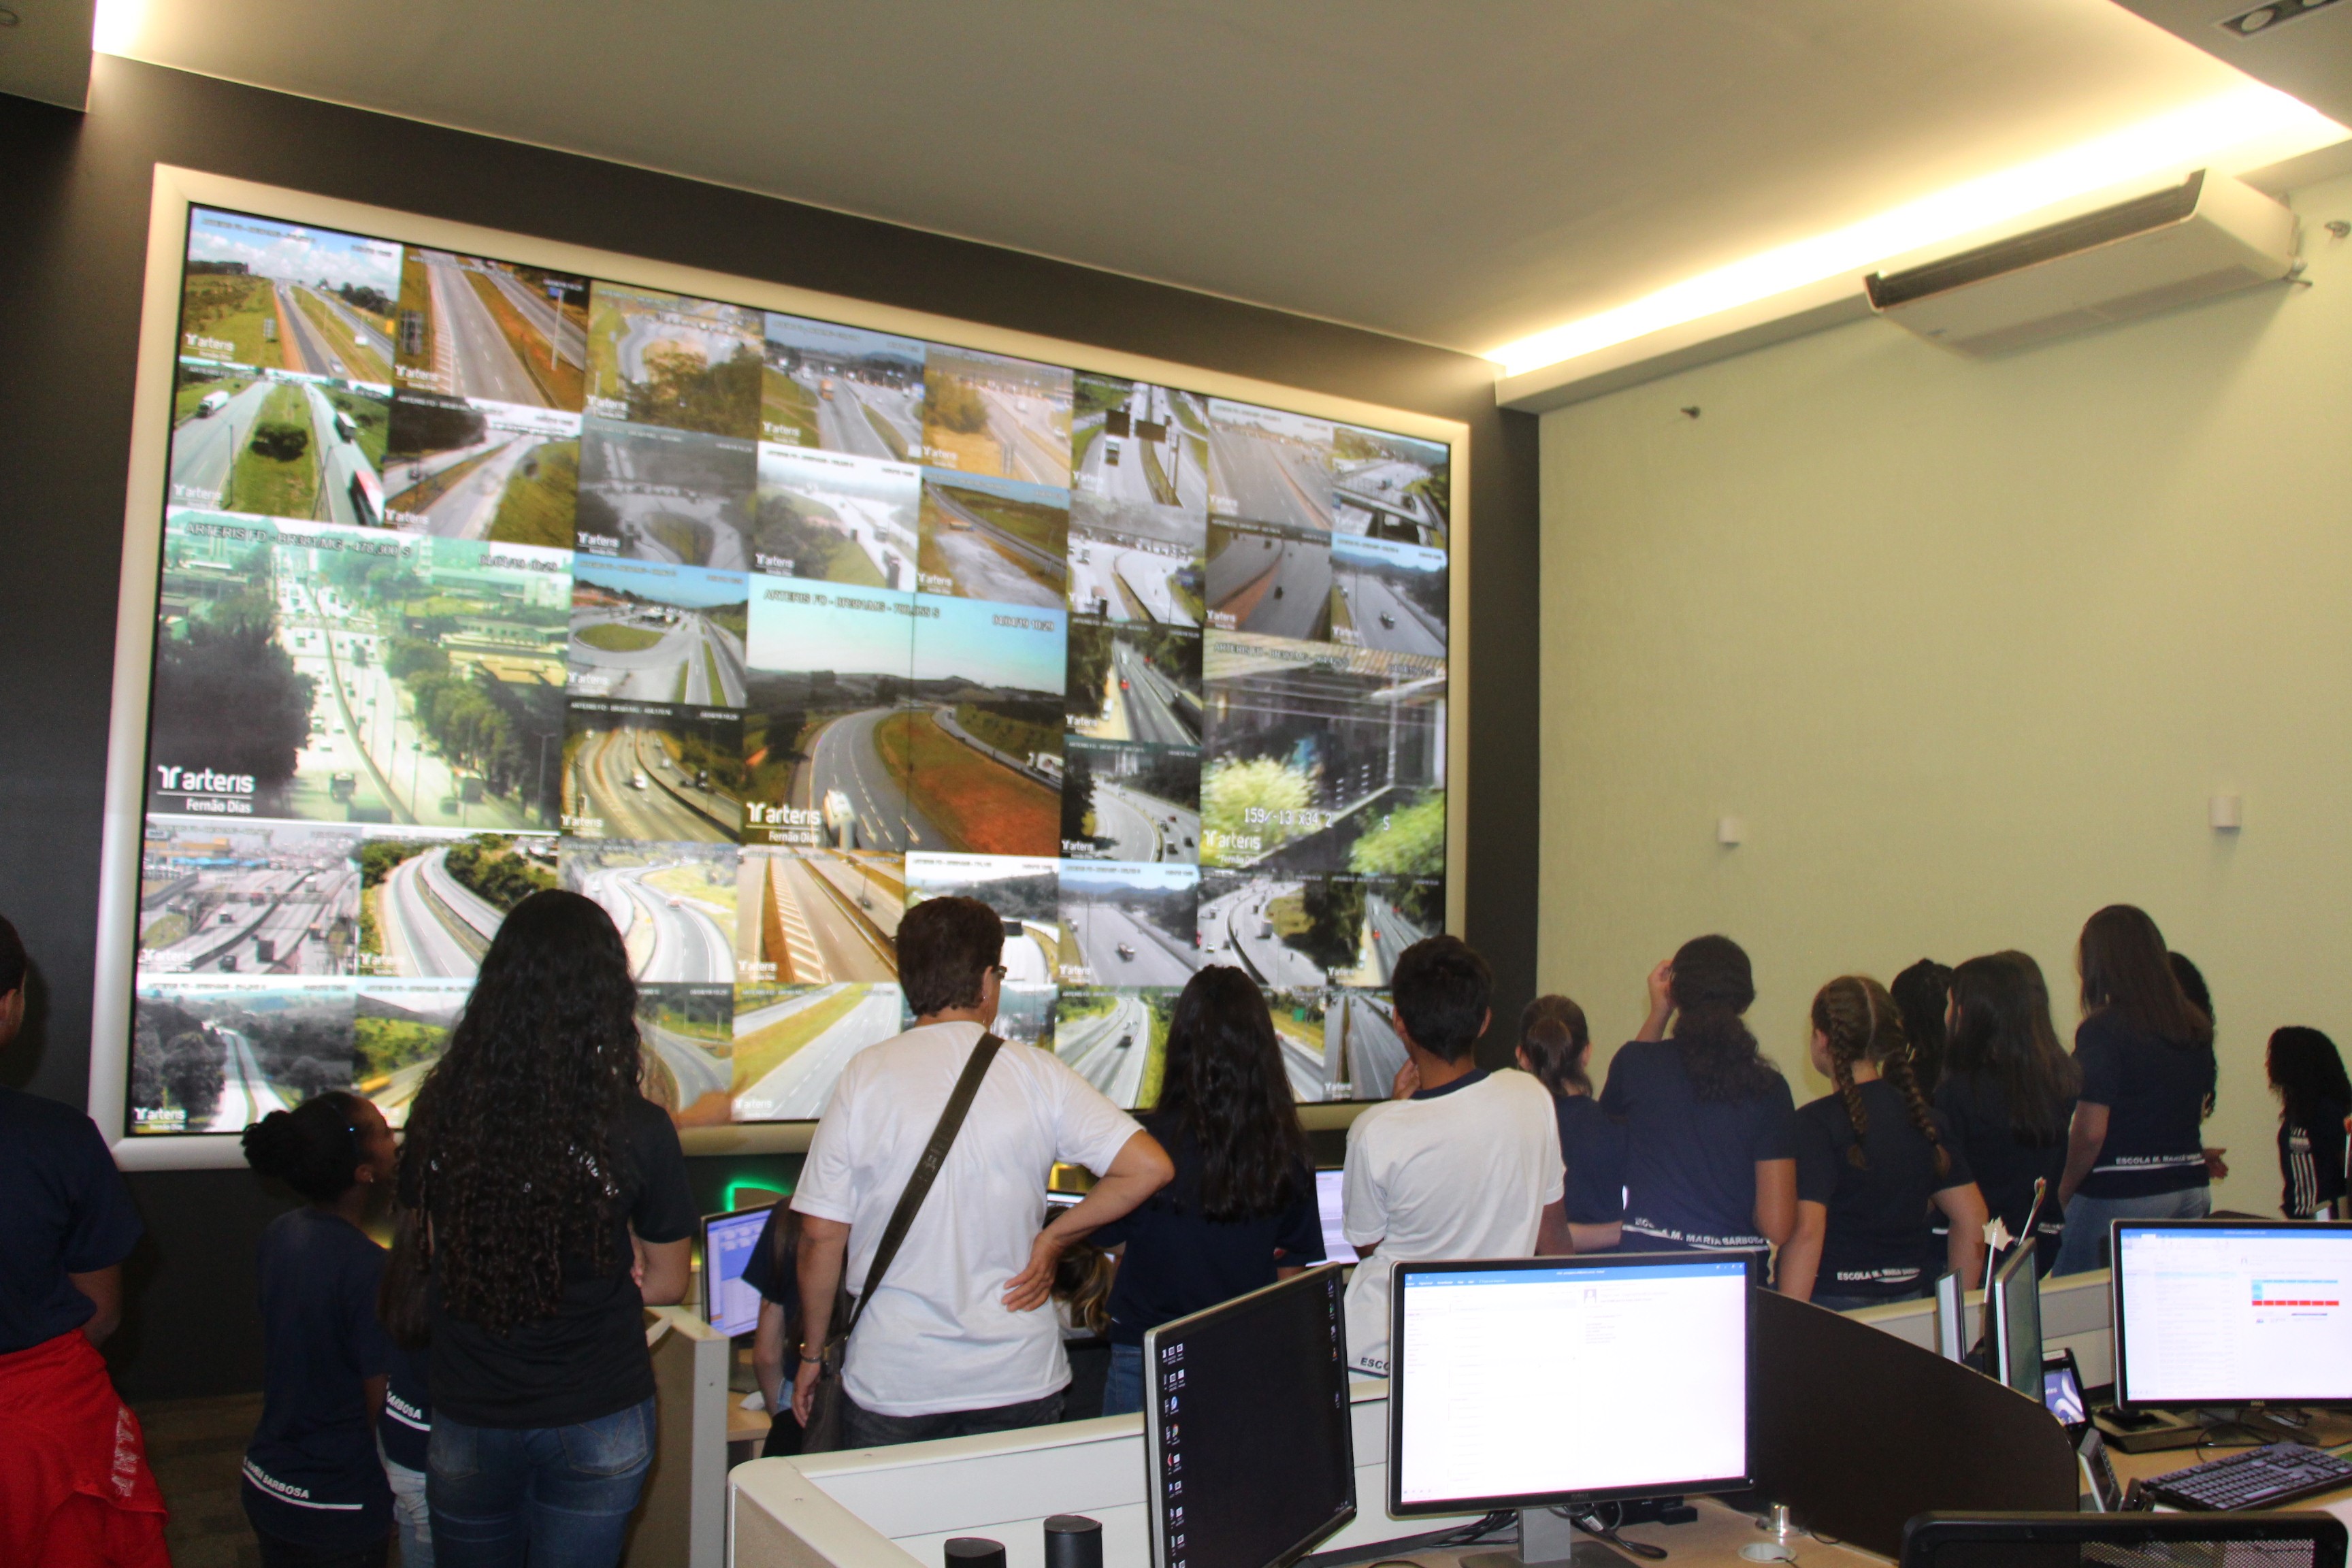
x,y
1123,1389
542,1496
2086,1247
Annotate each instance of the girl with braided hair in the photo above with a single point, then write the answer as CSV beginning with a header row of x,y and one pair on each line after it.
x,y
1871,1158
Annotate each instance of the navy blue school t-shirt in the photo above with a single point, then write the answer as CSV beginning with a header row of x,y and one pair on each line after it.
x,y
776,1277
2155,1093
1593,1146
1690,1165
1179,1261
311,1475
63,1210
2005,1161
1876,1241
406,1427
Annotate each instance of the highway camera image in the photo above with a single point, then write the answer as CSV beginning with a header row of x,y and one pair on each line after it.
x,y
478,579
489,331
831,517
989,416
841,389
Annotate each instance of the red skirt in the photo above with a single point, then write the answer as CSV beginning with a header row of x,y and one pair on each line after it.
x,y
75,1488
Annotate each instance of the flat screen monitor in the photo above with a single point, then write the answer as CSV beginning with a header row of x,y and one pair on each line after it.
x,y
2013,1322
1249,1448
1534,1381
2061,1390
1327,1187
728,1304
2232,1312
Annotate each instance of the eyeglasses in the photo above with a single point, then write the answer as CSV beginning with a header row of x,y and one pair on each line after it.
x,y
999,970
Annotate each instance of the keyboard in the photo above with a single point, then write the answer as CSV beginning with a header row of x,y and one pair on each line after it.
x,y
2258,1477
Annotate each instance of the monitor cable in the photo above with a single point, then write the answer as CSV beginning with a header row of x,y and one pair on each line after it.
x,y
1588,1520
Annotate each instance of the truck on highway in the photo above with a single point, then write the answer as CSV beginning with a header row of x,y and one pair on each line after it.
x,y
344,429
1111,451
342,786
212,403
637,780
824,388
367,496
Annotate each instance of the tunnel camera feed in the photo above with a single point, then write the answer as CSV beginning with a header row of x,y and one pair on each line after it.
x,y
841,389
479,578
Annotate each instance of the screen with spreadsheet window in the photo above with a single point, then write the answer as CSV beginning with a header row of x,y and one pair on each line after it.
x,y
732,1306
2221,1314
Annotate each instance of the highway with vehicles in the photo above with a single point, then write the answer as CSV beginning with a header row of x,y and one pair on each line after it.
x,y
1158,710
672,939
799,1086
1378,492
571,337
1384,617
348,488
1144,827
466,509
432,925
1109,1050
1280,586
471,354
204,446
1024,425
647,329
1236,926
364,333
844,421
677,669
300,343
838,922
845,774
1118,946
1359,1033
884,533
1027,767
1302,1063
625,779
1134,480
1263,479
247,1093
990,563
1387,934
1120,583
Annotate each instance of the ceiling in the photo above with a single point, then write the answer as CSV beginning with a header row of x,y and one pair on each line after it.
x,y
1463,175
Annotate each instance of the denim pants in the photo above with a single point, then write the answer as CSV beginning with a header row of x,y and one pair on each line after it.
x,y
863,1428
539,1497
1123,1390
408,1510
2086,1247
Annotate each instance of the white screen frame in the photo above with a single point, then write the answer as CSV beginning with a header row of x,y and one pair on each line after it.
x,y
176,189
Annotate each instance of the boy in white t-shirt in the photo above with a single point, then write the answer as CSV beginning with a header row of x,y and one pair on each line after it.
x,y
1463,1163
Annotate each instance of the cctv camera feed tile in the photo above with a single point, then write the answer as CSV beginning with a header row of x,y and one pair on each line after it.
x,y
791,1042
651,772
985,415
1323,758
1115,1040
657,358
495,471
829,517
1121,801
657,633
479,578
1003,540
490,332
816,915
843,389
1128,925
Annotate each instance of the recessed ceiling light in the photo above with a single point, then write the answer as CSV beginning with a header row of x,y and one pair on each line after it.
x,y
2247,128
2262,18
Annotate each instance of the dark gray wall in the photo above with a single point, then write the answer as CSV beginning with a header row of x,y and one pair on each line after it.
x,y
73,236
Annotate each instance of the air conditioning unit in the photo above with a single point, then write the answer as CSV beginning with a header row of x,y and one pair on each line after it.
x,y
2209,235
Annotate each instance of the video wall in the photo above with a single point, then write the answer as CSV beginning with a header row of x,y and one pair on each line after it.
x,y
479,579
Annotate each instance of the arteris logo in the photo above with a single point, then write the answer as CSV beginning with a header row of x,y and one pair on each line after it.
x,y
201,781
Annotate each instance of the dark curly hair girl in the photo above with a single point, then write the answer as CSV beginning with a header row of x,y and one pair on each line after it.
x,y
1713,986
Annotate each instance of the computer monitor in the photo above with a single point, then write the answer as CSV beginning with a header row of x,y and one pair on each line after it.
x,y
1249,1448
1328,1188
1533,1383
2062,1390
2232,1312
728,1304
2013,1322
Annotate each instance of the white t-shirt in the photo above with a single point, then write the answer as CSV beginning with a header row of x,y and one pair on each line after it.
x,y
1465,1172
938,1336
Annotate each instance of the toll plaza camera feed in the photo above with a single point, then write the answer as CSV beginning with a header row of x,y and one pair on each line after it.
x,y
479,578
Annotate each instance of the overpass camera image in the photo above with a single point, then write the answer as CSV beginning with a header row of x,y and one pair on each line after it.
x,y
673,496
841,389
828,517
1128,802
659,634
495,471
657,358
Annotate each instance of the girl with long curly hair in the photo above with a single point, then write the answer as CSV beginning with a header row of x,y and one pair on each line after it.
x,y
1871,1157
556,1209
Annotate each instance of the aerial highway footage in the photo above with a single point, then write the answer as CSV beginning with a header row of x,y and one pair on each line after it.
x,y
1142,828
631,786
1111,1049
837,913
820,1030
475,352
431,926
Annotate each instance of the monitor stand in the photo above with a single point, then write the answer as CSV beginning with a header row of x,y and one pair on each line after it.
x,y
1547,1540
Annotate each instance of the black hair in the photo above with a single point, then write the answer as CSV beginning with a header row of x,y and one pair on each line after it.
x,y
2004,1034
946,948
1860,1021
1554,1035
511,1153
402,1303
1224,1084
13,962
1713,986
313,1148
2305,1074
2193,983
1443,991
1920,993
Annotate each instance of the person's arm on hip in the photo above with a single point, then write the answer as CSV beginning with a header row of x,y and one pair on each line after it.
x,y
1141,1168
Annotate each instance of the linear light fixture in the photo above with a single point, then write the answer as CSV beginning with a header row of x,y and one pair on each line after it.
x,y
2246,128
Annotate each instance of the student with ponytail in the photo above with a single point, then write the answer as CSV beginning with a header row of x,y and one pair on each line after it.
x,y
314,1485
1871,1159
1710,1126
1555,1045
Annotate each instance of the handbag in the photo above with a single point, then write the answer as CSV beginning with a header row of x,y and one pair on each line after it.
x,y
822,1433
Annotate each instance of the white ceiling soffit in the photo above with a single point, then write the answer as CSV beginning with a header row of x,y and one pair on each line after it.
x,y
1459,174
2303,47
45,50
